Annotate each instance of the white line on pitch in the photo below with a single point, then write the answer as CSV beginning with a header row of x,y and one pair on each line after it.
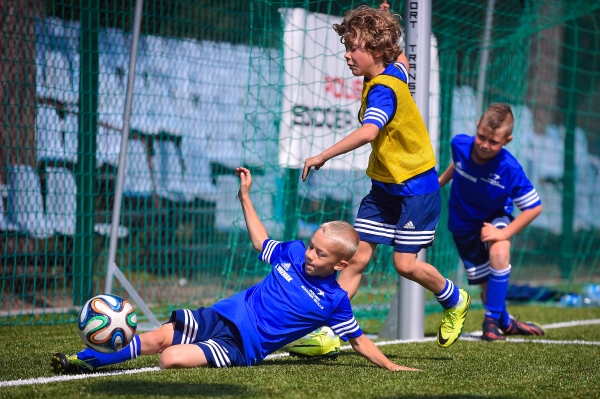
x,y
60,378
537,341
564,324
474,336
572,323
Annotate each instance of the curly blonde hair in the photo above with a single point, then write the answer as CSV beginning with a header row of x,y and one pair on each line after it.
x,y
378,29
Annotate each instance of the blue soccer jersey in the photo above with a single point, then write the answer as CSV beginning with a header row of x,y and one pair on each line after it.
x,y
380,109
287,304
480,191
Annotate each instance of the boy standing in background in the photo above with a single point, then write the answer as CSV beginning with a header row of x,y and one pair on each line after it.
x,y
487,180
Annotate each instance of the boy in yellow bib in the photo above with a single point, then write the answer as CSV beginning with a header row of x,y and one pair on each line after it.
x,y
402,209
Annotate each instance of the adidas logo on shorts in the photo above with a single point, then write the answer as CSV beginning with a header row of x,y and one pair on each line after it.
x,y
409,225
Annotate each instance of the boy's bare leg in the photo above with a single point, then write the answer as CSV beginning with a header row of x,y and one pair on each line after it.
x,y
349,278
157,341
178,356
182,356
483,292
409,266
499,254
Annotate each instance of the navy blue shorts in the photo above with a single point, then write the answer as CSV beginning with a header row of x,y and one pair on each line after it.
x,y
405,223
475,253
218,338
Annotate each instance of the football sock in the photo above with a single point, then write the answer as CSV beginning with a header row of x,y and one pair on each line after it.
x,y
496,292
449,296
98,359
504,318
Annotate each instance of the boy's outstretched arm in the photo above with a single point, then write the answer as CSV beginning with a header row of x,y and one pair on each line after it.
x,y
446,176
367,348
256,230
491,233
361,136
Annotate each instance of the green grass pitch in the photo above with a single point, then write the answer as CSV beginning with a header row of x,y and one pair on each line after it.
x,y
466,370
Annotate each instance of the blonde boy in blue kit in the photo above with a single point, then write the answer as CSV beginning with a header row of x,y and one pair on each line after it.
x,y
298,295
487,180
403,206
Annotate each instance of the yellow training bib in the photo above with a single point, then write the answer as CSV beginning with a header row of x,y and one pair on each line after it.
x,y
402,148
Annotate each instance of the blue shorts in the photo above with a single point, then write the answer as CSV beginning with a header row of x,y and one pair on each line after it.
x,y
475,254
406,223
218,338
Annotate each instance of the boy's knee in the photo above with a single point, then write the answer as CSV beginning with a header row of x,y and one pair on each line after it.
x,y
500,257
405,266
358,262
168,359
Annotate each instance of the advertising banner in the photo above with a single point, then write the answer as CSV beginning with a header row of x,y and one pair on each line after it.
x,y
321,97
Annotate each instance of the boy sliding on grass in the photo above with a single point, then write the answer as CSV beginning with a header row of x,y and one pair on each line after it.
x,y
403,207
299,295
487,180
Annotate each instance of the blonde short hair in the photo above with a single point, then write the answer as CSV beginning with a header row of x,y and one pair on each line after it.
x,y
379,29
344,237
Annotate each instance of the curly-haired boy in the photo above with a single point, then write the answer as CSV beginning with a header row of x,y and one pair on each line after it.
x,y
402,209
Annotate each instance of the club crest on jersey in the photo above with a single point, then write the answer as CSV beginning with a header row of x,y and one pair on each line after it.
x,y
281,269
286,266
494,180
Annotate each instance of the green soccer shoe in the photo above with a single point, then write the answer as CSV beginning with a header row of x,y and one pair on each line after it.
x,y
322,343
69,364
453,321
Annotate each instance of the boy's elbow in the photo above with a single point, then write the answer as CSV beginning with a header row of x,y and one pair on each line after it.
x,y
369,132
372,134
258,247
356,342
258,242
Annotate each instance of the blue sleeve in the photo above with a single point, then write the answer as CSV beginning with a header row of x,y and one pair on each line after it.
x,y
271,250
453,149
343,323
404,73
522,192
381,105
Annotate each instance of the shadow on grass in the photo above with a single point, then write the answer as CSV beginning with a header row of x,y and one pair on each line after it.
x,y
326,362
457,396
154,389
439,358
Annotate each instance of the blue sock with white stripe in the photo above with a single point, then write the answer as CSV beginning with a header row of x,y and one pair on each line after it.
x,y
504,319
449,296
98,359
496,292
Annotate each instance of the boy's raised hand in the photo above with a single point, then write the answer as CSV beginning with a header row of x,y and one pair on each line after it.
x,y
245,181
316,162
384,6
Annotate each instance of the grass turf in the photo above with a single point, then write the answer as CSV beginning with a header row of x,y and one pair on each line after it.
x,y
466,370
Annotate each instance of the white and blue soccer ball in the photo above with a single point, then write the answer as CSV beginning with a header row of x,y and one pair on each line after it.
x,y
107,323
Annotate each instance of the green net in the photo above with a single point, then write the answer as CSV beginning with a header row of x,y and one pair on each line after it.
x,y
254,83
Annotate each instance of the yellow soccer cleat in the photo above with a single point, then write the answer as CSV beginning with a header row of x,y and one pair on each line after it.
x,y
453,321
65,364
323,343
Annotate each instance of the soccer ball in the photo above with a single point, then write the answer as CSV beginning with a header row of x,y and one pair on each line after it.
x,y
107,323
